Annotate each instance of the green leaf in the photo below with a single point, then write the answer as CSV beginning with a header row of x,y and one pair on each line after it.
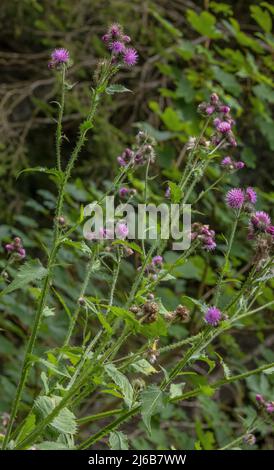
x,y
27,427
49,365
118,441
227,80
39,169
175,192
262,17
152,402
122,382
144,367
65,421
51,445
85,126
31,271
203,23
269,371
176,33
205,359
131,245
105,324
116,88
176,390
48,311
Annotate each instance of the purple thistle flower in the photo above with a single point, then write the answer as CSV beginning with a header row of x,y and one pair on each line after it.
x,y
251,195
270,230
126,38
214,99
121,161
260,219
259,398
130,56
168,192
117,47
224,127
121,230
224,109
115,30
235,198
209,245
239,165
22,253
210,110
106,38
213,316
270,407
157,260
226,161
9,247
216,122
60,56
231,139
123,192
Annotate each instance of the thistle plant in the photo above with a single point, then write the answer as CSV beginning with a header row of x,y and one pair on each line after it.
x,y
88,364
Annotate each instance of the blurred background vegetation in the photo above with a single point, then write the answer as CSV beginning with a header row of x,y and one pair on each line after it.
x,y
187,50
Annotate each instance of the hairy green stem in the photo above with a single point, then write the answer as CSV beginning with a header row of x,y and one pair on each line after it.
x,y
224,268
51,262
60,119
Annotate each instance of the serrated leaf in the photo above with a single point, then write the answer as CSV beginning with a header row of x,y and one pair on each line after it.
x,y
152,402
85,126
51,445
122,382
30,271
144,367
65,421
40,169
27,427
262,17
176,390
204,358
116,88
269,371
118,441
49,365
48,311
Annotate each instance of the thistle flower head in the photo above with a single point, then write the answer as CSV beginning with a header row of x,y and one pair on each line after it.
x,y
157,260
115,30
224,109
168,192
270,407
121,230
16,247
259,398
214,99
224,127
117,47
9,247
130,56
213,316
210,110
235,198
226,161
251,195
123,192
58,57
260,220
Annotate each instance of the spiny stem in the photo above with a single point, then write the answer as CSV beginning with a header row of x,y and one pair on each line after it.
x,y
224,268
51,262
60,119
